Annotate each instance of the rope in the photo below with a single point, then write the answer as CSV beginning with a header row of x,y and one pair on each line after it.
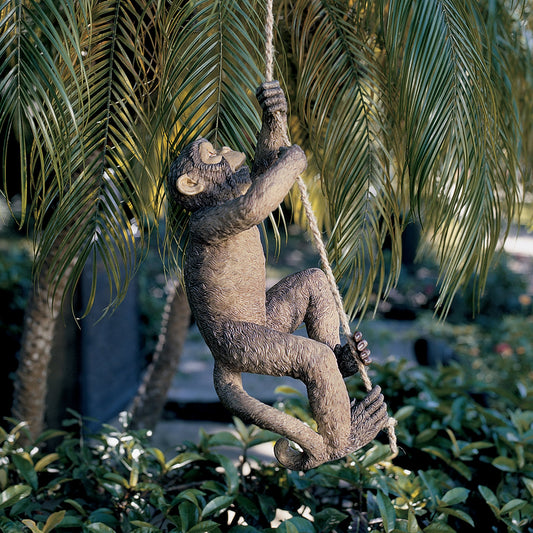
x,y
317,236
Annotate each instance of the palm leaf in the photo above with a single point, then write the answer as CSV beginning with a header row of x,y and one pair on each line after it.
x,y
410,110
32,89
458,163
210,74
101,202
406,121
339,99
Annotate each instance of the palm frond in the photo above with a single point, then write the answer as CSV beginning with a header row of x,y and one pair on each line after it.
x,y
339,99
101,205
210,74
32,90
412,109
211,71
459,158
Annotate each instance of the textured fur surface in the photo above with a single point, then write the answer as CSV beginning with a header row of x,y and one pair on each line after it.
x,y
249,329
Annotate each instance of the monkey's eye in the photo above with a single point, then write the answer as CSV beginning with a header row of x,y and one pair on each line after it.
x,y
208,154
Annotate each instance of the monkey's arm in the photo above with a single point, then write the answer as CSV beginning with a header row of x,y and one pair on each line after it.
x,y
265,194
273,134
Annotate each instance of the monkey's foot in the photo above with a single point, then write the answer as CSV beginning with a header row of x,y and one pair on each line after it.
x,y
369,417
345,358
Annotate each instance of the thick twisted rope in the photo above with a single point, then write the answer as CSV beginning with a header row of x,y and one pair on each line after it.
x,y
317,236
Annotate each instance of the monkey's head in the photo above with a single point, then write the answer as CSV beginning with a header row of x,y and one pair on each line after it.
x,y
202,176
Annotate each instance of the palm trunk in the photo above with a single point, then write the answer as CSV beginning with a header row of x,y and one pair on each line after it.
x,y
150,400
29,399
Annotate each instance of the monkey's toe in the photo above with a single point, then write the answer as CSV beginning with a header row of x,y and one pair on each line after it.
x,y
346,360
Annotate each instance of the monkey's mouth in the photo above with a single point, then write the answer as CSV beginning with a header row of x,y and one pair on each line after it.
x,y
239,165
234,159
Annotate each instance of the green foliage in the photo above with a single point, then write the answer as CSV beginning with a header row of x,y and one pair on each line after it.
x,y
466,464
416,108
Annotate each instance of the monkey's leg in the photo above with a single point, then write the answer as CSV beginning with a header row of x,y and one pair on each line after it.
x,y
246,347
305,297
228,385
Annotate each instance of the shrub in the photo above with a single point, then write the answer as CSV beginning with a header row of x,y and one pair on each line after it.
x,y
466,464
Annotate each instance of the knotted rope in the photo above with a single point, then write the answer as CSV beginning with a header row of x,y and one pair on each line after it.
x,y
317,236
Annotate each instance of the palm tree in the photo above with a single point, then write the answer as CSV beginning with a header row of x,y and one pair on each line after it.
x,y
413,110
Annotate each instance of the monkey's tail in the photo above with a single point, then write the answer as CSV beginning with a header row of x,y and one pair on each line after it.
x,y
229,388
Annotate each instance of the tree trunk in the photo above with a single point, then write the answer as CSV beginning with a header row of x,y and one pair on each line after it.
x,y
150,400
29,399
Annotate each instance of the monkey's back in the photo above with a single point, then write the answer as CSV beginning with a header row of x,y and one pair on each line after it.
x,y
225,280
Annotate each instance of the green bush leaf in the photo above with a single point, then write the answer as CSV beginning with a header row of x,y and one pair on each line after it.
x,y
217,504
31,525
98,527
76,506
465,517
513,505
296,524
104,516
230,471
328,518
53,520
491,499
247,505
412,523
189,495
463,469
144,527
158,454
455,496
386,510
529,484
261,437
13,494
439,527
50,434
42,463
404,412
474,447
182,459
26,470
505,463
116,478
286,389
376,454
425,436
224,438
204,527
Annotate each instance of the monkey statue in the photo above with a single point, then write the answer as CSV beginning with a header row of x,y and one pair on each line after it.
x,y
249,329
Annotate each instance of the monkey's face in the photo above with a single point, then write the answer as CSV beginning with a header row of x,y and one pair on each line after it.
x,y
210,156
203,176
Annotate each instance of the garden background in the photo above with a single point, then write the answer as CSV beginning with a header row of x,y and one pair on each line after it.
x,y
416,120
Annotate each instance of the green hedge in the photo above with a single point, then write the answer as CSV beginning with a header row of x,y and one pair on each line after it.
x,y
465,464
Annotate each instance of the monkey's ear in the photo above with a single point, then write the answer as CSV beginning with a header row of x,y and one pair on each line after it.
x,y
189,185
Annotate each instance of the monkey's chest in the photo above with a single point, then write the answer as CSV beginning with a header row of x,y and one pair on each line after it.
x,y
226,281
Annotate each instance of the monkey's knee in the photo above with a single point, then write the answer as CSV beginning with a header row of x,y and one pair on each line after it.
x,y
318,280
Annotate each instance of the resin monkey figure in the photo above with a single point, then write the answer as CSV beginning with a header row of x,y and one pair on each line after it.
x,y
249,329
